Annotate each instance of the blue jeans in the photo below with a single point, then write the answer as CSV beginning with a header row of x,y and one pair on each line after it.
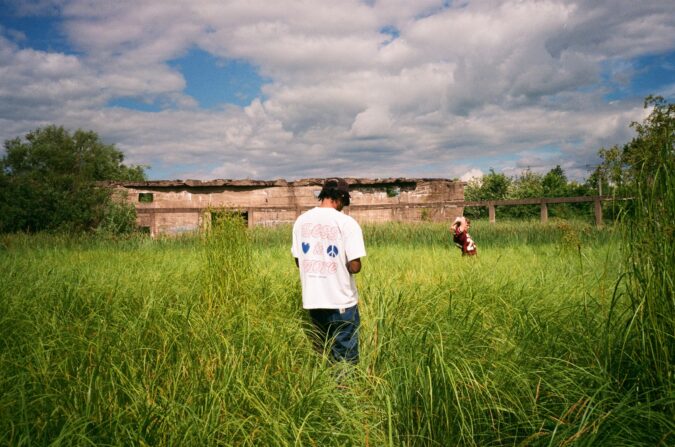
x,y
339,330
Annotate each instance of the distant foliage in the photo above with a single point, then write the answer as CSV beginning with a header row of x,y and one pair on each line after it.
x,y
119,217
493,186
625,169
528,185
554,183
48,180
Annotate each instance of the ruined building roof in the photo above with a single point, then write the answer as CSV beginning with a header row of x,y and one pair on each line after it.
x,y
269,183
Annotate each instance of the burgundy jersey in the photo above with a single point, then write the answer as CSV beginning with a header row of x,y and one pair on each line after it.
x,y
463,240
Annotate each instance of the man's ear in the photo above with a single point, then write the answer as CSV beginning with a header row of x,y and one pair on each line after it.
x,y
344,198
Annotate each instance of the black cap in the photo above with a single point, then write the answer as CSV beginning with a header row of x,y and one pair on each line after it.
x,y
336,188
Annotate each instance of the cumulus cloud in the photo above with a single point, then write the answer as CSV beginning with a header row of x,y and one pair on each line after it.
x,y
377,88
473,174
373,122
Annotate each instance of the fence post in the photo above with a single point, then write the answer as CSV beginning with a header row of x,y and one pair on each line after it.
x,y
598,211
154,226
544,212
491,212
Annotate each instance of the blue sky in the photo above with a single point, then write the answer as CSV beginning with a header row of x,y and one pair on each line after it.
x,y
214,82
34,32
652,73
206,89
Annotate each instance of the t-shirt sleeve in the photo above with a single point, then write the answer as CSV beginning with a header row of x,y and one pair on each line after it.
x,y
294,245
353,239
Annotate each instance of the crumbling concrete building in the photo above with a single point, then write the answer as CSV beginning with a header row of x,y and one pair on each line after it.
x,y
175,207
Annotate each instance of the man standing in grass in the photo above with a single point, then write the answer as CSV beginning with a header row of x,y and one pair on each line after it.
x,y
328,247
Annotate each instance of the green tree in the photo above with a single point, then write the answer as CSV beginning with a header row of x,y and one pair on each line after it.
x,y
528,185
492,186
554,183
610,174
622,166
656,132
49,180
495,186
472,193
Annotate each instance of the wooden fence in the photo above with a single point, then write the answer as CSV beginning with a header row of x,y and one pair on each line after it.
x,y
543,202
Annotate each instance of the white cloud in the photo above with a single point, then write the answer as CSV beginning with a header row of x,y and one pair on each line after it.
x,y
447,91
473,174
373,122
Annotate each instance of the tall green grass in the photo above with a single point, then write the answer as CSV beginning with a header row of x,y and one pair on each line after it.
x,y
506,233
202,341
644,355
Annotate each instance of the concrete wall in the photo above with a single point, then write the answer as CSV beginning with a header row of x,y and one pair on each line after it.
x,y
183,206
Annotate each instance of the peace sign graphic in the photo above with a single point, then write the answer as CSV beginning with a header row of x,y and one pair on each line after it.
x,y
332,251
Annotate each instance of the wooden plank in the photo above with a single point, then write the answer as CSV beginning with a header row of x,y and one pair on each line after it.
x,y
536,201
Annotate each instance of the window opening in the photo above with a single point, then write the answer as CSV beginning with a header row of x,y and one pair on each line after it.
x,y
393,191
218,215
145,197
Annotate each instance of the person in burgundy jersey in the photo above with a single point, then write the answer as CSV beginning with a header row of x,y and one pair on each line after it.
x,y
462,238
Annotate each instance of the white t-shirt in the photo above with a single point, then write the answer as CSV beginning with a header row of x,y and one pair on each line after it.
x,y
324,240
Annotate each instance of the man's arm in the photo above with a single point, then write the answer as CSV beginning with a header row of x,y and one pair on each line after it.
x,y
354,266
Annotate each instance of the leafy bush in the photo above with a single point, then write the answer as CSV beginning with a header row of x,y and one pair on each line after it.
x,y
49,180
119,217
497,186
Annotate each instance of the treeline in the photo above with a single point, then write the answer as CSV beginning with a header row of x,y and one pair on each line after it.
x,y
618,173
498,186
49,181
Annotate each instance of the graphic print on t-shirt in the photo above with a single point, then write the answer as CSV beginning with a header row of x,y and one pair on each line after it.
x,y
470,245
314,238
318,249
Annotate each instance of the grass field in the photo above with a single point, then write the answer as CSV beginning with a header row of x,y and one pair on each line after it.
x,y
202,341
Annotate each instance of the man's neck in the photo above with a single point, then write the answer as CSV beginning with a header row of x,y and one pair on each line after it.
x,y
330,203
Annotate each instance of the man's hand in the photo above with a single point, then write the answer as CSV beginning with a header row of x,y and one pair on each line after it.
x,y
354,266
